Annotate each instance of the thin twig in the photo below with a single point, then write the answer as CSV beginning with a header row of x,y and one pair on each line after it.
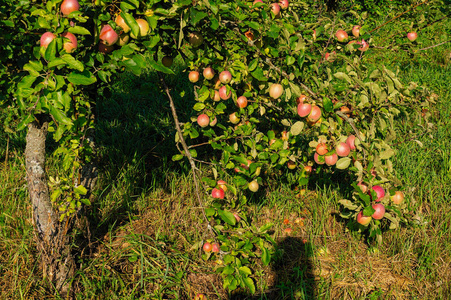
x,y
434,45
185,147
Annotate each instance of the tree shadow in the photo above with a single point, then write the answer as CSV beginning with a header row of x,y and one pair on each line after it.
x,y
291,275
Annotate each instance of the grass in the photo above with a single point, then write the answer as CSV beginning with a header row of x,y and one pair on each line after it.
x,y
144,219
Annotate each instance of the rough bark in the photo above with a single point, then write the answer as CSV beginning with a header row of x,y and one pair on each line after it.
x,y
51,236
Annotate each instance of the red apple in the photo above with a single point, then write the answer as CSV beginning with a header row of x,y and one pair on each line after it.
x,y
216,96
121,23
328,56
321,149
225,77
316,158
104,48
380,211
300,99
343,150
257,1
193,76
361,219
397,198
304,109
275,9
356,30
364,45
288,231
213,122
234,119
412,36
331,159
223,93
241,102
363,187
380,193
209,73
108,36
167,61
341,36
195,39
143,29
351,142
315,114
217,193
207,247
200,297
275,91
308,169
203,120
70,45
253,186
46,39
215,248
69,6
222,185
284,4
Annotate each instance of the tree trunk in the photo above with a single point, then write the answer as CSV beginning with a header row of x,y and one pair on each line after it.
x,y
51,236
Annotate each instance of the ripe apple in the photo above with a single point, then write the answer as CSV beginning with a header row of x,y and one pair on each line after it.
x,y
143,29
331,159
380,193
213,122
121,23
341,36
193,76
351,142
257,1
167,61
69,6
241,101
104,48
253,186
203,120
217,193
70,45
343,150
364,220
200,297
195,39
216,96
108,36
223,93
215,248
123,39
222,185
315,114
412,36
316,158
209,73
225,77
288,231
380,211
321,149
291,165
207,247
300,99
284,4
46,39
275,9
275,91
234,119
363,187
237,217
308,169
356,30
397,198
330,58
364,45
304,109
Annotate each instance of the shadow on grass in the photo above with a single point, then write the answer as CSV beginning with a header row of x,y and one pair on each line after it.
x,y
291,276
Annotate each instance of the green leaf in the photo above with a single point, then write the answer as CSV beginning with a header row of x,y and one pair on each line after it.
x,y
266,256
253,64
295,89
129,4
250,284
72,62
34,67
131,22
265,227
245,271
327,104
343,76
177,157
81,190
82,78
297,127
387,154
199,106
368,211
28,119
258,74
196,16
85,201
60,116
227,217
159,67
50,52
348,204
79,30
343,163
